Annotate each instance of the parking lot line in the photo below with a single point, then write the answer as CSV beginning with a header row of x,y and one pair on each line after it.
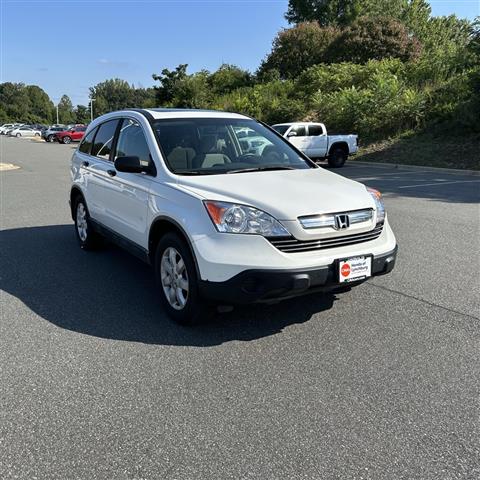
x,y
439,183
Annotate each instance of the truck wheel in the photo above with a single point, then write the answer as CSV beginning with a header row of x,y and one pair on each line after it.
x,y
337,157
177,280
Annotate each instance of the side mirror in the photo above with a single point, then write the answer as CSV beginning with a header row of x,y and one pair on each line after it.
x,y
129,165
292,134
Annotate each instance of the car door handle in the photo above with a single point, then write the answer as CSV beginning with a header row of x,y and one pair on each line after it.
x,y
112,173
85,164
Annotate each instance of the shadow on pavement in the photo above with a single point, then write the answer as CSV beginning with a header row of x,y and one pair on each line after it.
x,y
110,294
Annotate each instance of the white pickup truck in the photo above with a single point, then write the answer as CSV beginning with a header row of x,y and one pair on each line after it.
x,y
313,141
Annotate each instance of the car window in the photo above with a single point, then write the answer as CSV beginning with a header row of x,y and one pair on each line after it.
x,y
315,130
299,130
103,139
281,129
207,146
86,144
132,142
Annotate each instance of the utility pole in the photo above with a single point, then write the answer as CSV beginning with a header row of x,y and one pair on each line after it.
x,y
91,109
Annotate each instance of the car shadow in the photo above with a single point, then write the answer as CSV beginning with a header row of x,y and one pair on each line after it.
x,y
112,295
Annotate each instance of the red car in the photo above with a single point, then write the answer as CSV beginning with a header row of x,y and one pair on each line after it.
x,y
74,134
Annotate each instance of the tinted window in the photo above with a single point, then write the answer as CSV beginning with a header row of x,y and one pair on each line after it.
x,y
281,129
103,139
132,142
315,130
86,144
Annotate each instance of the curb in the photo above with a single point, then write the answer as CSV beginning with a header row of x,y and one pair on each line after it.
x,y
401,166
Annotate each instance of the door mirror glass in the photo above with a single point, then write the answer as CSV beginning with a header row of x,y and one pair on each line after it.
x,y
129,164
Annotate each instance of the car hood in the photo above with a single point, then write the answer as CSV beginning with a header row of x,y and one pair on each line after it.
x,y
285,194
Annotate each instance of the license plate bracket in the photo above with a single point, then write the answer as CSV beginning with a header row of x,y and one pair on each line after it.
x,y
353,269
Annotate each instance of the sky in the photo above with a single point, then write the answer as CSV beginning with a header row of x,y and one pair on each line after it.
x,y
66,46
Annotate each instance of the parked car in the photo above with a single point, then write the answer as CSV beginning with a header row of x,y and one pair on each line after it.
x,y
9,127
49,134
312,139
24,131
218,225
73,134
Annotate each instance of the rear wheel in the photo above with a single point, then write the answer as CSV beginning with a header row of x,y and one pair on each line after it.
x,y
87,237
18,135
66,140
337,157
51,138
177,280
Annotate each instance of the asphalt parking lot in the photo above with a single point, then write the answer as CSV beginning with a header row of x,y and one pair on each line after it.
x,y
379,383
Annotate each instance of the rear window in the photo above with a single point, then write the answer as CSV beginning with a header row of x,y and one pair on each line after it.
x,y
281,129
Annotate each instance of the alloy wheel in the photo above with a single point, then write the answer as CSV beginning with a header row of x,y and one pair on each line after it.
x,y
174,278
82,222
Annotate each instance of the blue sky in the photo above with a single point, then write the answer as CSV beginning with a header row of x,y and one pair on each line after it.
x,y
65,46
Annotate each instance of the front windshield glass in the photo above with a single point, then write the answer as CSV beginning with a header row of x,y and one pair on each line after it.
x,y
281,129
208,146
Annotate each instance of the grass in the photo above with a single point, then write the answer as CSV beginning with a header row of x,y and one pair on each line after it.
x,y
426,149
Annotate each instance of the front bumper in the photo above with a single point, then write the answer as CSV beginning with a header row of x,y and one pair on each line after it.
x,y
263,286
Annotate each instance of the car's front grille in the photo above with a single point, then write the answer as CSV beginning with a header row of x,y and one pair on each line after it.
x,y
292,245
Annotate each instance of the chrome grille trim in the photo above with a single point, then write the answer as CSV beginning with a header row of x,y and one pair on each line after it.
x,y
292,245
328,219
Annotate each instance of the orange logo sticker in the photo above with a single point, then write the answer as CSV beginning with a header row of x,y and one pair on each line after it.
x,y
345,270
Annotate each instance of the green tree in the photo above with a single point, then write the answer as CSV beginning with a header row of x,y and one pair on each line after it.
x,y
40,106
168,79
325,12
298,48
113,94
228,78
370,38
82,114
65,110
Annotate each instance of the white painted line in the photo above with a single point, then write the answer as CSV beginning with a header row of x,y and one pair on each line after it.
x,y
439,183
381,175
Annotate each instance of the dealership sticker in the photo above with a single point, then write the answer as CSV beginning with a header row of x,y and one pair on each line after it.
x,y
354,268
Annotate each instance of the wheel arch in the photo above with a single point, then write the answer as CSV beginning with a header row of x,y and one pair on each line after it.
x,y
74,193
343,145
159,227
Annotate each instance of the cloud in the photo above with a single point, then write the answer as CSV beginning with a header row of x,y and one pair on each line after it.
x,y
112,63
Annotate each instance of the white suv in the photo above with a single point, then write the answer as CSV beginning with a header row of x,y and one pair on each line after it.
x,y
220,221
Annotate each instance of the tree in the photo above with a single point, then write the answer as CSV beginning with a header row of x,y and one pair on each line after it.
x,y
228,78
298,48
82,114
374,39
65,110
40,106
112,94
325,12
168,79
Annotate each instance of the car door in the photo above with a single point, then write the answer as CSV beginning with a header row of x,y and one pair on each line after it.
x,y
122,198
297,135
318,141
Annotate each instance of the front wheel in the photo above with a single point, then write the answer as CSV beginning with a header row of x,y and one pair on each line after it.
x,y
87,237
50,139
337,158
66,140
177,280
18,135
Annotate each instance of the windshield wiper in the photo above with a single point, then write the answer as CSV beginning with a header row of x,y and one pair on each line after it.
x,y
261,169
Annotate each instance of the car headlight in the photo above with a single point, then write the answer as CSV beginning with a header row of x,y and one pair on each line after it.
x,y
380,207
234,218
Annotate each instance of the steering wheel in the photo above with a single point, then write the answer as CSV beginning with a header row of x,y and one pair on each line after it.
x,y
271,153
248,157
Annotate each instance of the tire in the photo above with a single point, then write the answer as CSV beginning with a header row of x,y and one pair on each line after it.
x,y
18,135
37,134
86,236
184,304
66,140
337,158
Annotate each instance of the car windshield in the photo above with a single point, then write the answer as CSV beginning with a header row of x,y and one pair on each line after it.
x,y
281,129
209,146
